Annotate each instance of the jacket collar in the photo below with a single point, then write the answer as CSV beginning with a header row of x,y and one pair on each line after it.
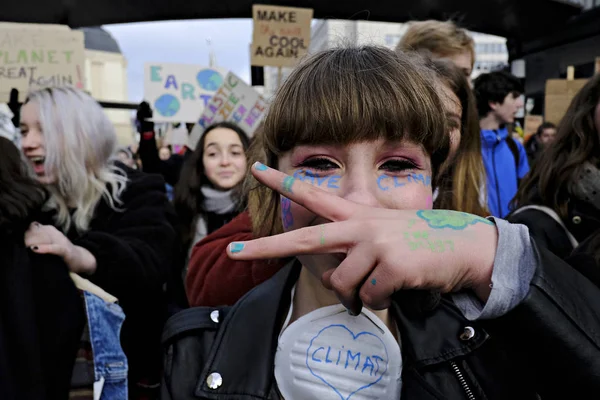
x,y
583,219
249,335
491,137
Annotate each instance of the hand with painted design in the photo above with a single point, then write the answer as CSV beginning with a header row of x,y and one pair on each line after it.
x,y
366,247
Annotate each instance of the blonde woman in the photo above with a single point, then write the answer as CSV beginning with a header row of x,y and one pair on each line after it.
x,y
106,221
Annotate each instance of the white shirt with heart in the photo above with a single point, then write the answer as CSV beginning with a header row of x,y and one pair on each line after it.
x,y
331,355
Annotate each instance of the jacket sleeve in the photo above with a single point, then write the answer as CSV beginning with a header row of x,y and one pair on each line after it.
x,y
152,164
213,278
134,250
523,161
555,331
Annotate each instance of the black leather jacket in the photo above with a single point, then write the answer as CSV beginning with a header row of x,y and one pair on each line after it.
x,y
549,344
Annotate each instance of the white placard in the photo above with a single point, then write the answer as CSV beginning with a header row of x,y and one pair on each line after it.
x,y
179,92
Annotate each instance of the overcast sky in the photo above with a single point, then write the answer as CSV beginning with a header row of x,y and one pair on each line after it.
x,y
183,42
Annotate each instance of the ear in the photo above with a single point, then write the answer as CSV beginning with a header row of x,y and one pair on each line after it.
x,y
493,105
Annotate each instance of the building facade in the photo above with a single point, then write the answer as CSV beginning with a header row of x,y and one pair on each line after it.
x,y
106,79
490,51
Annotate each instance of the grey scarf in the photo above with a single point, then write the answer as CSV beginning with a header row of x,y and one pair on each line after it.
x,y
215,201
587,186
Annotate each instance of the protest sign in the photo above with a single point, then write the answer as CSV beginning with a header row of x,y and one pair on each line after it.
x,y
236,102
559,93
33,57
281,35
179,92
7,129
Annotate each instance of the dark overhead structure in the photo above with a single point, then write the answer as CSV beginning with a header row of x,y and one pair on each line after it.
x,y
515,19
548,34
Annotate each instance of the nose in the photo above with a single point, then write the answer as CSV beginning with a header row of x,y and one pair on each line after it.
x,y
225,158
360,189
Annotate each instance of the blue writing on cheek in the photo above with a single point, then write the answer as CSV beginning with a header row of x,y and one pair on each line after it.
x,y
299,174
379,182
398,183
333,182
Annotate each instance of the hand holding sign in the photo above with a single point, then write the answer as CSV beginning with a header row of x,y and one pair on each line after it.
x,y
386,250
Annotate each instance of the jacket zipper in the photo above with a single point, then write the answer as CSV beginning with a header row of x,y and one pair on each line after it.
x,y
462,381
496,175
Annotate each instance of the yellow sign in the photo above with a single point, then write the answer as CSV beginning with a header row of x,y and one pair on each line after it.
x,y
33,57
559,94
281,35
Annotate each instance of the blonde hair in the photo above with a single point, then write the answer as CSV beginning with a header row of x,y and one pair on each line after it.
x,y
342,96
443,38
80,144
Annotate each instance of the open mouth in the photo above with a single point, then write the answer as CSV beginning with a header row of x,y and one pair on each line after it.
x,y
38,160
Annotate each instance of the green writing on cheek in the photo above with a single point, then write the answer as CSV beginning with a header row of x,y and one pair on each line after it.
x,y
457,220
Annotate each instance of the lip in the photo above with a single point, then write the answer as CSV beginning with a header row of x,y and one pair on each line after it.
x,y
225,174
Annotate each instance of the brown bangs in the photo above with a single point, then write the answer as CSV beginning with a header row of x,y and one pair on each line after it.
x,y
350,95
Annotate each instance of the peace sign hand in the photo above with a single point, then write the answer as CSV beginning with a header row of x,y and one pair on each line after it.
x,y
386,250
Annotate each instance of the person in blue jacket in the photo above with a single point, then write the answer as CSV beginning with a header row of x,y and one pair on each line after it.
x,y
498,100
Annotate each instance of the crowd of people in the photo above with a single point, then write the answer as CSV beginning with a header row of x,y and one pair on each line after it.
x,y
381,236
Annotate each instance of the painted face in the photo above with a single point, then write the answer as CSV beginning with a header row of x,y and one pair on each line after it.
x,y
547,135
33,142
505,112
224,158
378,174
453,114
164,153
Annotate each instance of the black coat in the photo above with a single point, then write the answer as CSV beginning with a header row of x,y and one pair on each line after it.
x,y
549,344
41,320
583,221
134,250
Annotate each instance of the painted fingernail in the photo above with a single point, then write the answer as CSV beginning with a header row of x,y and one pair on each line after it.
x,y
35,248
260,166
236,247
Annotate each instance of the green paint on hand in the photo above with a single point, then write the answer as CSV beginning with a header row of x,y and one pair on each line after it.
x,y
287,184
457,220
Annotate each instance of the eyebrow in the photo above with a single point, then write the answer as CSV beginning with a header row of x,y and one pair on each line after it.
x,y
217,144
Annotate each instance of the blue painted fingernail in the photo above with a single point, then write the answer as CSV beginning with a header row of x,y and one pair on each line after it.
x,y
373,281
260,166
236,247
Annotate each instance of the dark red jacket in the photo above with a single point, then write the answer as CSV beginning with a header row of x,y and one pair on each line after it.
x,y
213,279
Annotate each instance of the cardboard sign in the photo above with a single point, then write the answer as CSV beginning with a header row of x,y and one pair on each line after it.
x,y
559,94
236,102
597,66
281,35
179,92
532,123
32,58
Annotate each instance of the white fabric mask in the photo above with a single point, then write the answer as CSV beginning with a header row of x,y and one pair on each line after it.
x,y
331,355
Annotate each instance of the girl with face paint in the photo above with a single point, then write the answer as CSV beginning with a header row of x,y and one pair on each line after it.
x,y
382,298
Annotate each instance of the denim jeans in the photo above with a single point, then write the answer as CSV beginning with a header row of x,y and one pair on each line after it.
x,y
110,363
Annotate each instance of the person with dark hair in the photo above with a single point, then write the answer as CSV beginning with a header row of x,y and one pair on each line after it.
x,y
559,200
205,196
544,135
498,100
41,313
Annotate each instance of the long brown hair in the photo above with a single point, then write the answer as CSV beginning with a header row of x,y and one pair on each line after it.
x,y
461,183
562,162
349,95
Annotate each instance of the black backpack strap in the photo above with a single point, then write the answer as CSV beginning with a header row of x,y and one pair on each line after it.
x,y
191,319
514,149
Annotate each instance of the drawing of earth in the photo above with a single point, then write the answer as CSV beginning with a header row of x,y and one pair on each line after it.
x,y
209,79
167,105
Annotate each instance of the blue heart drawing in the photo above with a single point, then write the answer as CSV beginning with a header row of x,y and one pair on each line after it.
x,y
330,356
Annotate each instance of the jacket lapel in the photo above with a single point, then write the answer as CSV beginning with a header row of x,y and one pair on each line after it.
x,y
245,358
